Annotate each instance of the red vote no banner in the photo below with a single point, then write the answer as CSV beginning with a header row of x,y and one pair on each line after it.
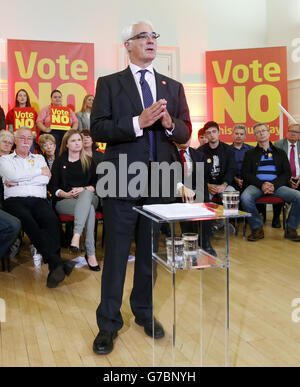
x,y
40,67
245,87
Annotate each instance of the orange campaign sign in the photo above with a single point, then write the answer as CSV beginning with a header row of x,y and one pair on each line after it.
x,y
25,116
60,118
101,146
40,67
245,87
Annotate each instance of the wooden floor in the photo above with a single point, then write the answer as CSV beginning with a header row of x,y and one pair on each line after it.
x,y
56,327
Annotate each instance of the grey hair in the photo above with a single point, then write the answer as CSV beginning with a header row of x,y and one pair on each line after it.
x,y
23,128
126,33
6,133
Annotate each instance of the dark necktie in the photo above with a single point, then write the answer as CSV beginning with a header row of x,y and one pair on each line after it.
x,y
182,152
148,101
292,161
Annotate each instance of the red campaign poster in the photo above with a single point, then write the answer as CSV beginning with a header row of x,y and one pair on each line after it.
x,y
25,116
60,118
245,87
40,67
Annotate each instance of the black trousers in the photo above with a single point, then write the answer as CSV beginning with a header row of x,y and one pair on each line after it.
x,y
122,225
40,223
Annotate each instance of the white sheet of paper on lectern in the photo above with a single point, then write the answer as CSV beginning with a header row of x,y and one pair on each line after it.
x,y
179,210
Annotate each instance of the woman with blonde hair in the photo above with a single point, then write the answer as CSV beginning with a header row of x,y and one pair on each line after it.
x,y
85,112
73,192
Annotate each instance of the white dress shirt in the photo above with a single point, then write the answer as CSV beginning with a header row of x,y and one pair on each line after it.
x,y
189,163
27,172
296,157
150,78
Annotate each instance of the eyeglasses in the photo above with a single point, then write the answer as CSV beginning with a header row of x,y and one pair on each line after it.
x,y
293,131
7,142
262,131
145,36
22,138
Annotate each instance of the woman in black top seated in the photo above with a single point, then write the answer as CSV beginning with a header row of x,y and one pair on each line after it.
x,y
73,191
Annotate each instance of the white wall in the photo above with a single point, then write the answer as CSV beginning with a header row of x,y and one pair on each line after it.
x,y
194,26
283,27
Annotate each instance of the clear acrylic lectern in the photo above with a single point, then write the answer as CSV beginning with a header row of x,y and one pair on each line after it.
x,y
191,299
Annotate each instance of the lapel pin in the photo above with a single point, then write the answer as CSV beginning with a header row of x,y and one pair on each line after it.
x,y
209,161
64,167
164,83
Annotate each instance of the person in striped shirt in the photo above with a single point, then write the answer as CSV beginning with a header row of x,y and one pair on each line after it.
x,y
266,171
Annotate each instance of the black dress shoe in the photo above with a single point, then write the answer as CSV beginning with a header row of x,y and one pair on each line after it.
x,y
55,277
104,342
93,268
69,266
148,327
74,249
276,223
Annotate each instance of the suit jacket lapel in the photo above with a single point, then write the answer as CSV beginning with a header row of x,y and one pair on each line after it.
x,y
161,84
286,146
129,85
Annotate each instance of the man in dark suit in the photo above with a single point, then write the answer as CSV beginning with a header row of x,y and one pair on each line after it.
x,y
138,113
291,146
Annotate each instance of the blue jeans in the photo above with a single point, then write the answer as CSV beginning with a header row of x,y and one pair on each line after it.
x,y
289,195
10,227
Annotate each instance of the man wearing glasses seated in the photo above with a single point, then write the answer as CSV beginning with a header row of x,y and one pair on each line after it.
x,y
291,146
25,176
266,171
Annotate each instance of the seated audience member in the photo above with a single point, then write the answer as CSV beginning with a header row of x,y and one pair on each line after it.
x,y
201,137
90,147
73,191
291,146
26,176
8,223
2,119
44,119
239,147
188,157
22,101
7,141
266,171
85,112
220,161
47,145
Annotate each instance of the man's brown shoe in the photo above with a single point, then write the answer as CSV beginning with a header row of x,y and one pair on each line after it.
x,y
292,235
256,234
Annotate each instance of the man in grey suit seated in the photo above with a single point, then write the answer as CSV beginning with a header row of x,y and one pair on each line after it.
x,y
291,146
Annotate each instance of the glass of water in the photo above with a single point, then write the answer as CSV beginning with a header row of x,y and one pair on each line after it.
x,y
178,251
190,241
